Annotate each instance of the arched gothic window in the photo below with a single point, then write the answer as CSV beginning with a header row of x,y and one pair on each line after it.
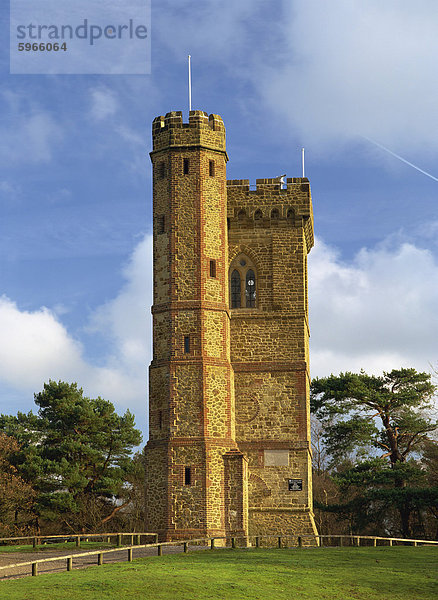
x,y
243,283
236,301
250,289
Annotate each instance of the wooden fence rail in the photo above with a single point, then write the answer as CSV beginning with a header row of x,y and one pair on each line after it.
x,y
282,540
135,537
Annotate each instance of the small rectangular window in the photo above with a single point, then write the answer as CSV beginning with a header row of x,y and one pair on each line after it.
x,y
212,268
186,166
161,224
211,168
186,344
187,476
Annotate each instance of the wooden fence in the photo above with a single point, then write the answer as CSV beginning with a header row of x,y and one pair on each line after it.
x,y
36,540
282,541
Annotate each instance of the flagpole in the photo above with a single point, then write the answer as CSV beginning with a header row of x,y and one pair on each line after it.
x,y
190,84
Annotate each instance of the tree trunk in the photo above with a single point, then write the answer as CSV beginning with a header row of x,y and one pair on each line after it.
x,y
405,517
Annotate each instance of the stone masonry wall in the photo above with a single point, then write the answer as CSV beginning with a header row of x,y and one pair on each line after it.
x,y
269,351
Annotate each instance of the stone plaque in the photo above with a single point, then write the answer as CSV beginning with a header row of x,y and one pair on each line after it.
x,y
295,485
276,458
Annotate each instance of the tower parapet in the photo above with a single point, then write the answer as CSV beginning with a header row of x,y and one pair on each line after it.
x,y
290,205
202,130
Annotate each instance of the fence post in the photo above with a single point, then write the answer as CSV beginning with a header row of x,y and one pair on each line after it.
x,y
78,541
138,539
233,542
185,546
374,542
119,539
160,551
129,554
100,559
132,539
212,544
279,541
415,543
300,542
34,569
34,542
257,541
69,563
341,541
390,542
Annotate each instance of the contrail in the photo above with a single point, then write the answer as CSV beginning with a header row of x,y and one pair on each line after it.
x,y
401,158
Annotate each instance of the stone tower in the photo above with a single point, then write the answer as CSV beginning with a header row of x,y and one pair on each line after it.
x,y
229,448
194,466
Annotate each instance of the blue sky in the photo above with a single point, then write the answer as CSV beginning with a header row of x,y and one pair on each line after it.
x,y
75,185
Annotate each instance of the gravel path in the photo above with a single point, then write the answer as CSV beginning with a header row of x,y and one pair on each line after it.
x,y
58,566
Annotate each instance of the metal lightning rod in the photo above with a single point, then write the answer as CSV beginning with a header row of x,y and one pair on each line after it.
x,y
302,161
190,84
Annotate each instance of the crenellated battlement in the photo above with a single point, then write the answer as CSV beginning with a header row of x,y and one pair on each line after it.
x,y
270,204
268,184
202,129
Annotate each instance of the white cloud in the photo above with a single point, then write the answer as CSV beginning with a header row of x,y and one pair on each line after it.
x,y
126,323
377,313
357,68
38,347
104,103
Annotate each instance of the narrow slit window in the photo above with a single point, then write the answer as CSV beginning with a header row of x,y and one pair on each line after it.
x,y
235,289
186,344
160,419
187,476
161,170
250,291
161,225
212,168
212,268
186,166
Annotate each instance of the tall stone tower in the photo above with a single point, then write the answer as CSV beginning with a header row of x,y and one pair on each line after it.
x,y
229,448
194,466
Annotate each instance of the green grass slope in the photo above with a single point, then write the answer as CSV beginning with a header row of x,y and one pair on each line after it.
x,y
398,573
57,546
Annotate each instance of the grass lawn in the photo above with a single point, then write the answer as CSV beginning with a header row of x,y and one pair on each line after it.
x,y
57,546
397,573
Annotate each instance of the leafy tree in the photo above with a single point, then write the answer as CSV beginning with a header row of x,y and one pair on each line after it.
x,y
364,416
76,452
16,496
